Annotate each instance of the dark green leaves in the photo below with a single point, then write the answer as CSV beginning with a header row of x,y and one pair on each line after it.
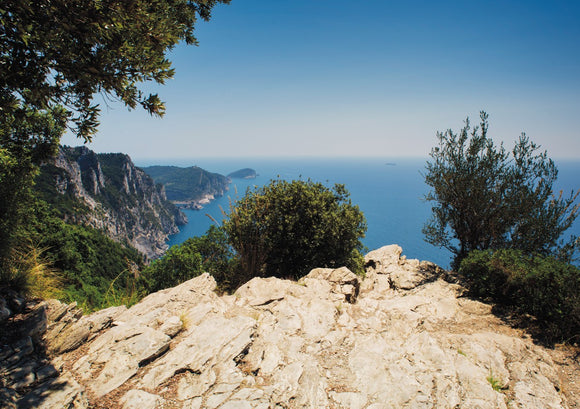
x,y
285,229
63,52
544,287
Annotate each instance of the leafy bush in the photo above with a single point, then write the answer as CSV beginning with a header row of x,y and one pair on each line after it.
x,y
544,287
285,229
209,253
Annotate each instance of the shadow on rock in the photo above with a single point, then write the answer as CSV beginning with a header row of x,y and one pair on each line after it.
x,y
28,378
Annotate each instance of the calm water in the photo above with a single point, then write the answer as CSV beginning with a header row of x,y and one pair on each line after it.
x,y
388,191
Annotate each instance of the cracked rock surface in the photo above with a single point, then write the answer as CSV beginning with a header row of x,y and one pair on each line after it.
x,y
401,338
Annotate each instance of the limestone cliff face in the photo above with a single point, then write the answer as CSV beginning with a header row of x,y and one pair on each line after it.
x,y
403,337
110,193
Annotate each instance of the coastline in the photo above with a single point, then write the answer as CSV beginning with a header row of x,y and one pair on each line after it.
x,y
197,204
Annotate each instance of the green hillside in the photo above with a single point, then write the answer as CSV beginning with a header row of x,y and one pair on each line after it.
x,y
187,184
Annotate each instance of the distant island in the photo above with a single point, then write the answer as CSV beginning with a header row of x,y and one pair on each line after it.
x,y
245,173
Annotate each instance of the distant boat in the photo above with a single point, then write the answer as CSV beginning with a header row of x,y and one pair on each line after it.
x,y
391,164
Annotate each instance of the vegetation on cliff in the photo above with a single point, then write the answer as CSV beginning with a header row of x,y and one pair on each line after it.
x,y
209,253
284,229
108,192
87,266
188,184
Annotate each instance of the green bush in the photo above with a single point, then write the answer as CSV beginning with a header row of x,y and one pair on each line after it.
x,y
285,229
208,253
541,286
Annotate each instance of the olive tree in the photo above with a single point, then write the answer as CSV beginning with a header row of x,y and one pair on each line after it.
x,y
485,197
284,229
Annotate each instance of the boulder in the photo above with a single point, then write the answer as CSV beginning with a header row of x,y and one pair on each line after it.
x,y
344,282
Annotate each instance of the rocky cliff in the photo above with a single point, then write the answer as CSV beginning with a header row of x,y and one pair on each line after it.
x,y
403,337
108,192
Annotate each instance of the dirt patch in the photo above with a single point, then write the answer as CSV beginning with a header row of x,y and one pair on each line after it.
x,y
567,360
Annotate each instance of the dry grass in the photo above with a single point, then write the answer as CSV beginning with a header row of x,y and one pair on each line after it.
x,y
29,273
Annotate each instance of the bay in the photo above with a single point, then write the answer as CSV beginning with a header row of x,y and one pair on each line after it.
x,y
389,191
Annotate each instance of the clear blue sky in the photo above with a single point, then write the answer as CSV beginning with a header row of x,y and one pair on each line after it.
x,y
368,78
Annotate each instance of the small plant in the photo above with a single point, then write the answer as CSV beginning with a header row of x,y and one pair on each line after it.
x,y
185,321
496,383
460,352
130,293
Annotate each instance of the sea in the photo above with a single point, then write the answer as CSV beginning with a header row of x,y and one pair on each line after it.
x,y
389,191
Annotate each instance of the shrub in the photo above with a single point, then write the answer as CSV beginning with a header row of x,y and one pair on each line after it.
x,y
486,198
541,286
208,253
285,229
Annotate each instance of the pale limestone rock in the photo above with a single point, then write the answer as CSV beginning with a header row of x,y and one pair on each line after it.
x,y
236,404
194,403
138,399
248,394
193,385
121,352
63,392
263,291
384,257
349,400
172,326
409,340
77,332
343,281
386,266
217,338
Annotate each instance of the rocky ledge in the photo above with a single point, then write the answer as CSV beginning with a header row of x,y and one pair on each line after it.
x,y
401,338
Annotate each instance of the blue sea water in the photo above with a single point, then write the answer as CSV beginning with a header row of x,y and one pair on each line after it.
x,y
389,192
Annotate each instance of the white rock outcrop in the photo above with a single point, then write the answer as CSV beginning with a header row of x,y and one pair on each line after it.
x,y
400,338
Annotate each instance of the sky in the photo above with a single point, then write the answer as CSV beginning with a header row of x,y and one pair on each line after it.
x,y
373,78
